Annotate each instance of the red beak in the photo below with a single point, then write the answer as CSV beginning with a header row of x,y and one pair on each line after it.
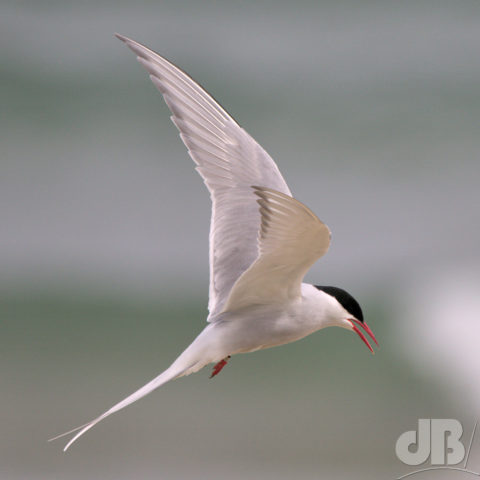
x,y
367,329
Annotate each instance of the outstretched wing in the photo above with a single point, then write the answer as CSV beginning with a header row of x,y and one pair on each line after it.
x,y
229,160
291,240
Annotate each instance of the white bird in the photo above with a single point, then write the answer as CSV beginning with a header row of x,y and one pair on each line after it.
x,y
262,241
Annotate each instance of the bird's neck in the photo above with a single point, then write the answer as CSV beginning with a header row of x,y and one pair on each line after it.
x,y
320,308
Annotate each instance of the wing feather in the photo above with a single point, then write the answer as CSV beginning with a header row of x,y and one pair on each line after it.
x,y
229,160
291,240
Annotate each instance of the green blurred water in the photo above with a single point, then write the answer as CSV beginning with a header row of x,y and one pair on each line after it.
x,y
293,410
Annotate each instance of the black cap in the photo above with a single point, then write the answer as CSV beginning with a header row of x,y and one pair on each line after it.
x,y
345,300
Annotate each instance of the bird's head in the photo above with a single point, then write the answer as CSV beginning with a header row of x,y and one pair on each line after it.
x,y
351,316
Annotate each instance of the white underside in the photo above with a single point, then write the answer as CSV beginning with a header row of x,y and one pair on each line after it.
x,y
245,330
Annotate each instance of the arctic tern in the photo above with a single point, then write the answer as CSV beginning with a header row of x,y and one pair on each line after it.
x,y
262,241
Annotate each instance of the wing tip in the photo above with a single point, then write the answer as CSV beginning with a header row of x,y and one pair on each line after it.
x,y
122,37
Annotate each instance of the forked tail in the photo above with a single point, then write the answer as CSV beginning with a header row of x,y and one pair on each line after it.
x,y
169,374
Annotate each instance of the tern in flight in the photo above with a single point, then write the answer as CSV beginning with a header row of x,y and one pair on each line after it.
x,y
262,241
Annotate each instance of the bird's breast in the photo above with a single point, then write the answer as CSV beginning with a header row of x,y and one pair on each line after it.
x,y
261,327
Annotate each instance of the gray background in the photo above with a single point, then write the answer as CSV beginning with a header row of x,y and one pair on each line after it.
x,y
371,110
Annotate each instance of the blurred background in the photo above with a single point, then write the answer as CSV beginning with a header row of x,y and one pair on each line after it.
x,y
371,110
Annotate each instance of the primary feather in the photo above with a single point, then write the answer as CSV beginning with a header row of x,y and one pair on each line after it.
x,y
229,160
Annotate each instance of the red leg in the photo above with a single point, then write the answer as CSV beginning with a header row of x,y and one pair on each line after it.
x,y
218,367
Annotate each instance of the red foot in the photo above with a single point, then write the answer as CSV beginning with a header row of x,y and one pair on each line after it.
x,y
218,367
